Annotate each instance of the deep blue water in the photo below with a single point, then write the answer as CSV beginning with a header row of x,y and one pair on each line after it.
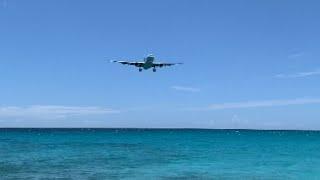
x,y
158,154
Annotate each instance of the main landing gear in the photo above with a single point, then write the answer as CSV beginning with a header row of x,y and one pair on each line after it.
x,y
154,69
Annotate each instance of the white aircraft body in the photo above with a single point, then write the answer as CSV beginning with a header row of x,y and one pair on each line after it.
x,y
147,63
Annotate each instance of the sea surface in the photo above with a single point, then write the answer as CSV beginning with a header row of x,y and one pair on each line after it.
x,y
158,154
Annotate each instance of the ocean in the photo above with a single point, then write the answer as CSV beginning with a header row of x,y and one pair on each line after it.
x,y
158,154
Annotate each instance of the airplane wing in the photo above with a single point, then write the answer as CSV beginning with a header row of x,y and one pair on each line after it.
x,y
137,64
164,64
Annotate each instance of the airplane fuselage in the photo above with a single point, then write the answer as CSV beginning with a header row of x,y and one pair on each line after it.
x,y
148,62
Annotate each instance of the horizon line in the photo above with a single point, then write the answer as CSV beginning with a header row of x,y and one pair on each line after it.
x,y
160,128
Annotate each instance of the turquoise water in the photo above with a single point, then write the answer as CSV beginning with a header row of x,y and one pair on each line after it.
x,y
158,154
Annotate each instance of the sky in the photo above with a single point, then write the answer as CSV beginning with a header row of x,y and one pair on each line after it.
x,y
247,64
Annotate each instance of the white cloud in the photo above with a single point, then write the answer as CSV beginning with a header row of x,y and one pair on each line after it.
x,y
52,112
299,75
295,55
256,104
186,89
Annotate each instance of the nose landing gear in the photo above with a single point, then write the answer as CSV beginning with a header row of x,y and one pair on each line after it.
x,y
154,69
140,69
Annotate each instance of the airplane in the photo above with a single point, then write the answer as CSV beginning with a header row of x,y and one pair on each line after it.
x,y
147,63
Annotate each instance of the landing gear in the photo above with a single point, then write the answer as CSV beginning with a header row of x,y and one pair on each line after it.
x,y
154,70
140,69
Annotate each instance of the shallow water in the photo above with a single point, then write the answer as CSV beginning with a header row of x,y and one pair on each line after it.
x,y
158,154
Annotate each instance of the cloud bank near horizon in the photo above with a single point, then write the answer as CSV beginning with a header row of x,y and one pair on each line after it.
x,y
256,104
52,112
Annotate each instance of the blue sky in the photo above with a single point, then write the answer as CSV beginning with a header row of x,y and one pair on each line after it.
x,y
247,64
